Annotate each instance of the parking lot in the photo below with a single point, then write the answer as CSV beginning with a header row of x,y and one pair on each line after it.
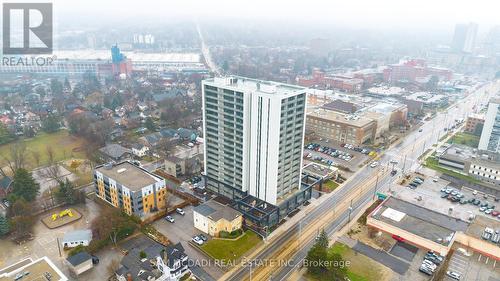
x,y
183,230
331,153
433,190
473,267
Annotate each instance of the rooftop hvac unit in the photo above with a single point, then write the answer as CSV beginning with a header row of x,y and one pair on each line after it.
x,y
121,170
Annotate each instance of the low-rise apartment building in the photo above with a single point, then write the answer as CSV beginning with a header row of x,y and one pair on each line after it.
x,y
474,124
345,128
129,187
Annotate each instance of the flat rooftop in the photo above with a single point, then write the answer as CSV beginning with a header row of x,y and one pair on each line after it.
x,y
458,151
386,91
385,108
425,97
216,211
420,221
129,175
104,55
255,85
347,119
318,170
34,270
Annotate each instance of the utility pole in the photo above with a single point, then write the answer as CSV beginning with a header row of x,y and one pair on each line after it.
x,y
350,210
376,186
404,165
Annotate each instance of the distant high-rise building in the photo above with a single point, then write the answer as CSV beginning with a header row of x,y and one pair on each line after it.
x,y
254,133
490,136
464,38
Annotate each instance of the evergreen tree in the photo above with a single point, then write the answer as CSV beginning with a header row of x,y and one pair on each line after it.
x,y
4,225
68,194
150,124
24,185
51,123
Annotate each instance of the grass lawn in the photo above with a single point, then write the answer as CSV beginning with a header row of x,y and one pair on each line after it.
x,y
465,139
331,185
63,144
433,163
229,250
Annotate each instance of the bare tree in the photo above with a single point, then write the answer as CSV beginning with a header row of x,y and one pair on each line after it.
x,y
113,266
16,158
166,145
36,156
52,170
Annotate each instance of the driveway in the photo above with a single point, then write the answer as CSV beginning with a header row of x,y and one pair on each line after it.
x,y
382,257
182,230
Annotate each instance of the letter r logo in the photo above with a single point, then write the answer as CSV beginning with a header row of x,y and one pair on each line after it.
x,y
27,28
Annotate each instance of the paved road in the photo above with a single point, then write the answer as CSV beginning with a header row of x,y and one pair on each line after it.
x,y
407,151
206,53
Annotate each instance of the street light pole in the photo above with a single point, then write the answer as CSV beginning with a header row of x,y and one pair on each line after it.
x,y
350,210
376,186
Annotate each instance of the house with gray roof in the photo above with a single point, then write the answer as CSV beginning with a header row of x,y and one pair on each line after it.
x,y
213,217
114,152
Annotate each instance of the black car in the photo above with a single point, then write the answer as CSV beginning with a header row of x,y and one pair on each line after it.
x,y
203,237
394,172
95,260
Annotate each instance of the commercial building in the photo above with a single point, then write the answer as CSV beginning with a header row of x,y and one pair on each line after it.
x,y
429,229
414,70
490,136
31,270
344,128
387,116
213,217
254,133
74,62
483,167
129,187
464,38
346,83
474,124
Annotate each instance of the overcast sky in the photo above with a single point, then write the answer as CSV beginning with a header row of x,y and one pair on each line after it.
x,y
356,13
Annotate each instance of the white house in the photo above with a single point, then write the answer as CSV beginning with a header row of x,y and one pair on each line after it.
x,y
75,238
139,150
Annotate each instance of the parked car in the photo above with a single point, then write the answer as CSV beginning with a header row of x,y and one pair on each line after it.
x,y
453,275
180,211
374,164
169,219
6,202
203,237
425,270
197,240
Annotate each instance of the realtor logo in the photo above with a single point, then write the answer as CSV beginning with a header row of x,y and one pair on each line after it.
x,y
27,28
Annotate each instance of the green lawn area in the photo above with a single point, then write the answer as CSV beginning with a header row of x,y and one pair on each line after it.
x,y
433,163
230,250
63,144
331,185
465,139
